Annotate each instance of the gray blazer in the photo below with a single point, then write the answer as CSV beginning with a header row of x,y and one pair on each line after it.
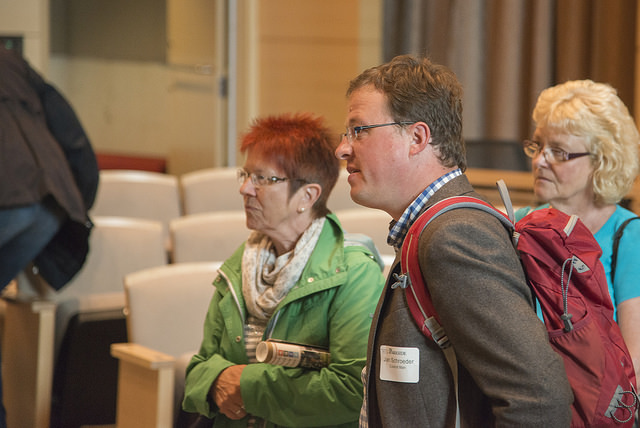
x,y
508,374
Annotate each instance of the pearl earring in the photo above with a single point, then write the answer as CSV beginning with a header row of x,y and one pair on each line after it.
x,y
301,209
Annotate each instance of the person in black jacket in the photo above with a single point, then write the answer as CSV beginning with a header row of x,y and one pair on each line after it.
x,y
48,179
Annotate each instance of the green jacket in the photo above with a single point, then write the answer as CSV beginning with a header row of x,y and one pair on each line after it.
x,y
330,306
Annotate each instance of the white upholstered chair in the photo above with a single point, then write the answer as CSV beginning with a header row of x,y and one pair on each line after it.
x,y
166,308
138,194
50,332
207,236
373,223
90,316
210,189
118,246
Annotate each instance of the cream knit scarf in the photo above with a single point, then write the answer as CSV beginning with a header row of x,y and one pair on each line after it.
x,y
266,279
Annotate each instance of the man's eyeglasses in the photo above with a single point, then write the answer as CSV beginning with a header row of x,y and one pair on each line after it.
x,y
258,180
551,154
353,131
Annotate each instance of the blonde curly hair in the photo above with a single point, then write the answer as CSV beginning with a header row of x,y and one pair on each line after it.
x,y
595,112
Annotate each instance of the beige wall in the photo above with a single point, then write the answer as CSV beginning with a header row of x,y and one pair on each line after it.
x,y
143,108
307,52
299,55
163,108
292,56
29,18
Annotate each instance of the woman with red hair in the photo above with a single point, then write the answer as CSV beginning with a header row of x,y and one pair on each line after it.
x,y
293,280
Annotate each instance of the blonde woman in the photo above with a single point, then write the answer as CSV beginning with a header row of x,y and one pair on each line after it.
x,y
584,155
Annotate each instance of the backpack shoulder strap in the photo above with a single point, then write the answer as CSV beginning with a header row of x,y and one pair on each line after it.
x,y
416,291
418,296
616,244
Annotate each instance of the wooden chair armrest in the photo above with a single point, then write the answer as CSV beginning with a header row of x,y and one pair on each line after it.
x,y
145,387
141,356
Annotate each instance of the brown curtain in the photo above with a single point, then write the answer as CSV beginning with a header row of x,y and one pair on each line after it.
x,y
506,51
595,39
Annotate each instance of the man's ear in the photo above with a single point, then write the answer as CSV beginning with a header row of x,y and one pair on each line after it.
x,y
421,137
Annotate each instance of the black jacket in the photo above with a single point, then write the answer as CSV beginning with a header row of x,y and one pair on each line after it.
x,y
45,154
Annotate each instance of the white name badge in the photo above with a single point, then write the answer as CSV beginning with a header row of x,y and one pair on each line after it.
x,y
399,364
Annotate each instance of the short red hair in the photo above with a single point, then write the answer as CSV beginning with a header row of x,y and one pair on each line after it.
x,y
302,146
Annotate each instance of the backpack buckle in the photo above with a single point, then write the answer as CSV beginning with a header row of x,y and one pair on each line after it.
x,y
400,281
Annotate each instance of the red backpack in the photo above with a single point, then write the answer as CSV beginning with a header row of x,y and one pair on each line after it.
x,y
561,260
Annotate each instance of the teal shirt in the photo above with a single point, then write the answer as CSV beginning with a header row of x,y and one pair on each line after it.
x,y
627,281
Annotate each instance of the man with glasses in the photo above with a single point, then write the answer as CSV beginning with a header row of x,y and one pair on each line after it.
x,y
404,151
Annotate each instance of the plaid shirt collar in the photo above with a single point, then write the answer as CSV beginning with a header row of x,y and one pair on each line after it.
x,y
399,229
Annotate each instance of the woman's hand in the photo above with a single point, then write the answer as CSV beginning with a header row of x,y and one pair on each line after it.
x,y
225,392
